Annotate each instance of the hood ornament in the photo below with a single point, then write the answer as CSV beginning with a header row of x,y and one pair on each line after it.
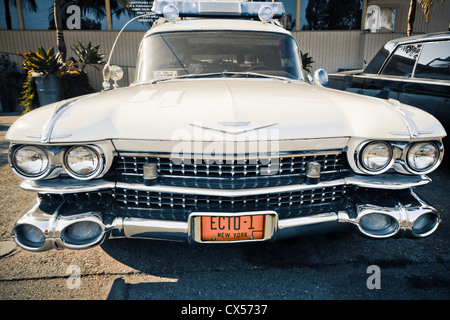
x,y
232,127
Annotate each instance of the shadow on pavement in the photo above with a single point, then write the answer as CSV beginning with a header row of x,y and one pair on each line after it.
x,y
332,266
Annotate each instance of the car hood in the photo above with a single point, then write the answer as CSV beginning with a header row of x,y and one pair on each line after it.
x,y
212,109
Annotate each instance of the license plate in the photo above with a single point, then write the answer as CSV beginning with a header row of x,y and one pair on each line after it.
x,y
232,228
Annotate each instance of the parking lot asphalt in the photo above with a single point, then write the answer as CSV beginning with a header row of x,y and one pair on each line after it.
x,y
321,267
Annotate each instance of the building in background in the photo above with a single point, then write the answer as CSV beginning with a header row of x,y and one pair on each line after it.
x,y
337,34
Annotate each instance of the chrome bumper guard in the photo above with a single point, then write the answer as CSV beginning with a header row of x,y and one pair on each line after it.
x,y
43,227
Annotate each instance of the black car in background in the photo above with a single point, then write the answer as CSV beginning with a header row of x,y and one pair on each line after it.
x,y
414,70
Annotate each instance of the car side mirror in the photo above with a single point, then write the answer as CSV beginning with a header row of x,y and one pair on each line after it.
x,y
321,77
114,73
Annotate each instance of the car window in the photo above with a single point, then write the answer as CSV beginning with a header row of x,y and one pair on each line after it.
x,y
402,61
434,61
377,61
173,54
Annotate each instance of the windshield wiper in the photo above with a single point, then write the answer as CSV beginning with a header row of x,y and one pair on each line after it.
x,y
185,76
255,75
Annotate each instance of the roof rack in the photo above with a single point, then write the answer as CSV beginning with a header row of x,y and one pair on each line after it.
x,y
172,9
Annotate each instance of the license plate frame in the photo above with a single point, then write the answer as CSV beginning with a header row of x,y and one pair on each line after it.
x,y
268,220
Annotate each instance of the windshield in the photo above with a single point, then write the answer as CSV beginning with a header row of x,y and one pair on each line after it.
x,y
183,54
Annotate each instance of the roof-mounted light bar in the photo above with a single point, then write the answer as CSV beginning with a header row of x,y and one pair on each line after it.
x,y
191,8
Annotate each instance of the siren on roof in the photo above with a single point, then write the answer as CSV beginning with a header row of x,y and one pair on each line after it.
x,y
172,9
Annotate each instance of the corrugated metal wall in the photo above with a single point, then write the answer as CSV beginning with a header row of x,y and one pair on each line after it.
x,y
14,41
331,50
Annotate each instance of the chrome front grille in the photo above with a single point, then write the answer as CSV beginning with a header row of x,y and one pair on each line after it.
x,y
236,173
287,204
197,184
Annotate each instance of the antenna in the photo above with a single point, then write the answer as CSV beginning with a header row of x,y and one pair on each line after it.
x,y
112,72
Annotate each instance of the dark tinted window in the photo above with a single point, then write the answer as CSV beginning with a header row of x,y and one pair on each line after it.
x,y
377,61
402,61
434,61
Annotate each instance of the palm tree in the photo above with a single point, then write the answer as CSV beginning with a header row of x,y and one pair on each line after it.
x,y
60,42
96,7
426,5
411,17
7,14
26,5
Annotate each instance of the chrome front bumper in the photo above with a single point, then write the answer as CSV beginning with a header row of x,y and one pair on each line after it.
x,y
412,217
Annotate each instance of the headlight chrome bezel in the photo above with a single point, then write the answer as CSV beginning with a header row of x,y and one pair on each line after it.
x,y
399,161
16,168
56,155
95,173
432,167
359,158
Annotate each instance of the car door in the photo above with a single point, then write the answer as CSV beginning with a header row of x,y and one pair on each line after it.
x,y
395,74
347,82
429,87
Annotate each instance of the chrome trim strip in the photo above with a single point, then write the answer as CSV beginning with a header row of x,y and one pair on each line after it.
x,y
139,228
58,111
229,193
406,117
225,157
63,186
66,186
388,182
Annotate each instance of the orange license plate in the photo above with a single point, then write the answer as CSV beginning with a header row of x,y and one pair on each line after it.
x,y
232,228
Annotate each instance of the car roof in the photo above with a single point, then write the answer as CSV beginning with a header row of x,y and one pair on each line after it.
x,y
420,38
377,62
201,24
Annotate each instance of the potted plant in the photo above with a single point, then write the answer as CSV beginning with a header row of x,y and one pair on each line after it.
x,y
88,54
50,79
75,78
43,69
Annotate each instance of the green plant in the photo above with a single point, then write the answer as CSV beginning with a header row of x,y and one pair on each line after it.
x,y
88,54
75,82
42,61
307,61
28,97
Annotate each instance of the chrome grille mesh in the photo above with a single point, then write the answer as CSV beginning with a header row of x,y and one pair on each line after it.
x,y
229,174
285,203
284,165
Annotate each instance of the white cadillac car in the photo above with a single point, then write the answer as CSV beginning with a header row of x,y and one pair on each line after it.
x,y
221,139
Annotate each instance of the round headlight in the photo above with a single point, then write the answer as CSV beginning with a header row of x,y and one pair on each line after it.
x,y
82,162
30,161
376,156
422,156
